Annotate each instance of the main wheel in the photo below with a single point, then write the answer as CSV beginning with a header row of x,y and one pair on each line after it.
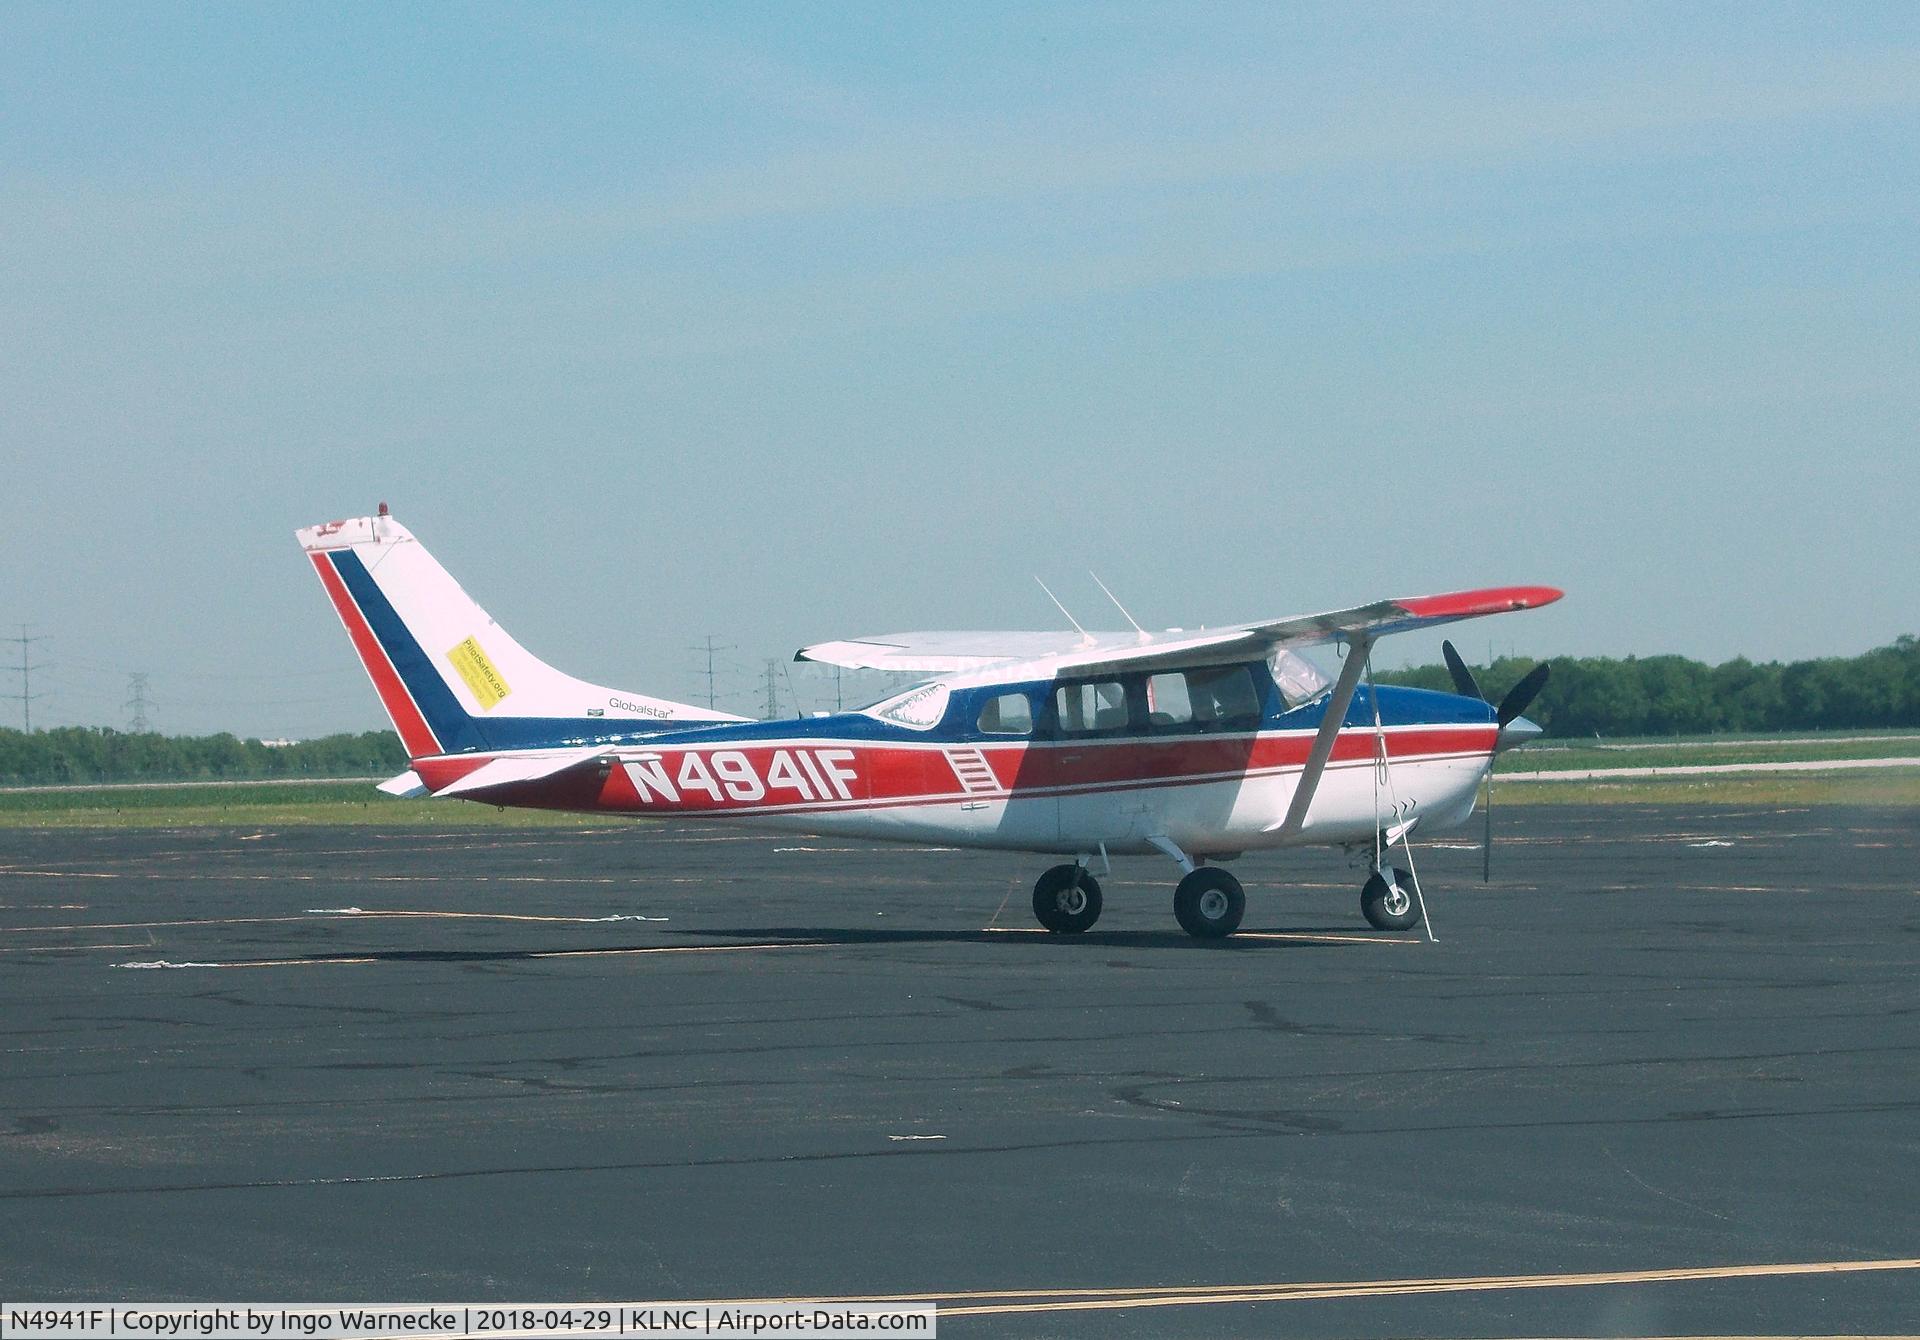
x,y
1390,907
1067,899
1209,903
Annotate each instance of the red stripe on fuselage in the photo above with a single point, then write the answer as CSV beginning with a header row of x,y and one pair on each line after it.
x,y
753,778
1097,763
414,731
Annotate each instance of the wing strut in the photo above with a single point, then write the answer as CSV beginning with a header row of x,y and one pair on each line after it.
x,y
1359,648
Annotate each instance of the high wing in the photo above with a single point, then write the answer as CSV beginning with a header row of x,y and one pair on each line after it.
x,y
951,653
955,652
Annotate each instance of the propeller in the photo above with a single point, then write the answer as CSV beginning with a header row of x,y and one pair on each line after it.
x,y
1463,679
1517,700
1520,697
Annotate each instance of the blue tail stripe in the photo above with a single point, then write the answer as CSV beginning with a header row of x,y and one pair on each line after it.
x,y
457,731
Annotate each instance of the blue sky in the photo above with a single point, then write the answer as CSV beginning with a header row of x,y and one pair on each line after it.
x,y
789,322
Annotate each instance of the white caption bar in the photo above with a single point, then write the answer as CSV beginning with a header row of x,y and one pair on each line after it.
x,y
481,1321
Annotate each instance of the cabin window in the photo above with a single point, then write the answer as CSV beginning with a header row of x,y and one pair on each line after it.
x,y
1100,706
1168,704
1224,699
1007,714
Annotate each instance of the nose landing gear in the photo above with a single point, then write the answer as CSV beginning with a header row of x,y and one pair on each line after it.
x,y
1390,901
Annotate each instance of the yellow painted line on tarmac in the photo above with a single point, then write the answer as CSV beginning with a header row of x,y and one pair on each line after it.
x,y
1238,935
361,914
1315,935
687,949
1009,1301
340,915
331,877
147,925
543,953
264,963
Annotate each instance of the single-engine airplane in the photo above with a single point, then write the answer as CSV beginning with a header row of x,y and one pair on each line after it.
x,y
1198,746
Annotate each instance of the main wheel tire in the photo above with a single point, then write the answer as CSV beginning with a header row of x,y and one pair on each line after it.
x,y
1067,899
1209,903
1390,907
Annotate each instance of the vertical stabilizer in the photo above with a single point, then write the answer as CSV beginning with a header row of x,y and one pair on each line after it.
x,y
452,679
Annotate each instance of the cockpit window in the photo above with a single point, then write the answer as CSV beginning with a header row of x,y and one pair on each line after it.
x,y
1007,714
1224,699
1168,704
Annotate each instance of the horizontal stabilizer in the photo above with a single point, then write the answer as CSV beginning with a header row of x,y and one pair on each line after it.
x,y
407,785
503,771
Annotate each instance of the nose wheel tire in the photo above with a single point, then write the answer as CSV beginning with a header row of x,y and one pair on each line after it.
x,y
1390,907
1067,899
1209,903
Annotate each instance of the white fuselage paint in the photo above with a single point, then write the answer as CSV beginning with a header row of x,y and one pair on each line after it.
x,y
1354,800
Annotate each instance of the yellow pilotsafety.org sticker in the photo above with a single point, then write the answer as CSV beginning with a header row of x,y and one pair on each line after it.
x,y
482,679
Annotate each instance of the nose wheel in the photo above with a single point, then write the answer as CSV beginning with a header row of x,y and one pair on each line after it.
x,y
1388,902
1067,899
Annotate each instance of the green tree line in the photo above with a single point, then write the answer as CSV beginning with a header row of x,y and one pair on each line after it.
x,y
77,754
1671,695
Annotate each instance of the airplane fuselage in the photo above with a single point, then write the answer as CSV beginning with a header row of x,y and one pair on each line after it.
x,y
1211,789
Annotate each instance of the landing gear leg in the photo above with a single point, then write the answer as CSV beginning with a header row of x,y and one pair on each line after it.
x,y
1067,899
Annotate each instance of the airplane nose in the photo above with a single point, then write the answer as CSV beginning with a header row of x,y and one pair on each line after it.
x,y
1518,731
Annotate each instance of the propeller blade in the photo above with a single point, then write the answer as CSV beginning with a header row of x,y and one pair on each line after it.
x,y
1521,695
1463,679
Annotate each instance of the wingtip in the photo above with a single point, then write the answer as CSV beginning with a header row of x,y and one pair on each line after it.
x,y
1492,600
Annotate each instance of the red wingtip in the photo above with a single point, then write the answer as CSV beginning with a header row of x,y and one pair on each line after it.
x,y
1493,600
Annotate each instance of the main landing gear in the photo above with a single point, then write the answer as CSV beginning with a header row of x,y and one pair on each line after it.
x,y
1208,903
1067,899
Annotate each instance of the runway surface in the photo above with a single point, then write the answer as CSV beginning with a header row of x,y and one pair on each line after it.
x,y
1660,1077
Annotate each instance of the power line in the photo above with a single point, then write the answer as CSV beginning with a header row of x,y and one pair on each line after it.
x,y
27,667
137,704
710,648
773,689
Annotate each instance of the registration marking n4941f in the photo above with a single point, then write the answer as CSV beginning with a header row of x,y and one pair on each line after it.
x,y
725,775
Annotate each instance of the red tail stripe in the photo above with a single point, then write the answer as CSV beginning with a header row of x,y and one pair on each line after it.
x,y
414,731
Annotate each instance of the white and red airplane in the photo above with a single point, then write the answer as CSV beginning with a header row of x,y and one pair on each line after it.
x,y
1199,746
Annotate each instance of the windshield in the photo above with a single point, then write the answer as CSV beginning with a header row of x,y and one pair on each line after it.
x,y
1300,680
920,707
